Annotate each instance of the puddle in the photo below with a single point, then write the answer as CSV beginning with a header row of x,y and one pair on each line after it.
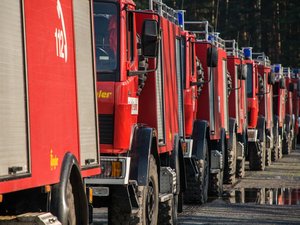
x,y
264,196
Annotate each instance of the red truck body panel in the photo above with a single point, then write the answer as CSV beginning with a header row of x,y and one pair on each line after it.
x,y
213,102
52,96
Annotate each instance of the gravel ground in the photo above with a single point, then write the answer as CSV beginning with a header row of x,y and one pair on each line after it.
x,y
266,197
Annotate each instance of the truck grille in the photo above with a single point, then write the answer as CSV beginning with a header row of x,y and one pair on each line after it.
x,y
106,125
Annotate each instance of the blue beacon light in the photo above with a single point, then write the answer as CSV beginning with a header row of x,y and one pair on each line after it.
x,y
180,16
248,53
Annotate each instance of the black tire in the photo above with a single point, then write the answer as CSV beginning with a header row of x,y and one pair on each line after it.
x,y
216,184
257,156
274,151
148,198
240,168
116,215
268,156
230,166
71,204
286,145
197,187
280,143
216,179
166,214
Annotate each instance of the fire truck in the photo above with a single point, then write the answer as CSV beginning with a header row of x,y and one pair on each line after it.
x,y
48,116
289,116
296,107
238,101
266,80
212,106
194,143
256,122
279,102
140,92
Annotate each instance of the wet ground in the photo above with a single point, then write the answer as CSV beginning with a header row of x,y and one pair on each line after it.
x,y
267,197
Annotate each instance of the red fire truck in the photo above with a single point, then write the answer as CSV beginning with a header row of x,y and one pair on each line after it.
x,y
141,120
48,116
279,101
238,101
195,143
289,116
296,102
267,80
212,106
256,122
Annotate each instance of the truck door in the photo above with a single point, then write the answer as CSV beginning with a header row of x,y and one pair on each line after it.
x,y
86,83
14,124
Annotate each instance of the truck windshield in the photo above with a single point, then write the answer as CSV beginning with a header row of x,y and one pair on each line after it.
x,y
249,80
106,28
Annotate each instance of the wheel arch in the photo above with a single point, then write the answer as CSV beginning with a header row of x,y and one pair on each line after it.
x,y
70,170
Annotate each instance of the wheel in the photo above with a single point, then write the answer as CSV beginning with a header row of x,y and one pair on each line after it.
x,y
257,156
216,184
286,145
197,187
240,168
268,156
148,203
148,199
280,143
274,151
70,204
216,179
230,166
167,215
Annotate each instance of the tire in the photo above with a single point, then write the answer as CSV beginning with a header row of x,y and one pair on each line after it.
x,y
148,198
197,187
286,145
216,179
166,212
230,166
71,204
257,155
268,156
280,143
274,151
240,168
216,184
116,215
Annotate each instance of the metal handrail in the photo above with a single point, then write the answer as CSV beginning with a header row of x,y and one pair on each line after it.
x,y
164,10
207,34
261,58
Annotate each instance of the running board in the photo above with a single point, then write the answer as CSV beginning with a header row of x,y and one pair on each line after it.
x,y
165,197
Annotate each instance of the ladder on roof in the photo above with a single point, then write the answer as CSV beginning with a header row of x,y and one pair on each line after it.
x,y
164,10
261,58
232,49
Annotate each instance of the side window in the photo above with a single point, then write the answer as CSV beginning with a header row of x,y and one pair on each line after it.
x,y
130,36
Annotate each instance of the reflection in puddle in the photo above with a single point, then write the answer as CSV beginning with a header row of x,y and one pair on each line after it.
x,y
268,196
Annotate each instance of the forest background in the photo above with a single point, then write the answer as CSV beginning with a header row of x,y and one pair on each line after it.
x,y
269,26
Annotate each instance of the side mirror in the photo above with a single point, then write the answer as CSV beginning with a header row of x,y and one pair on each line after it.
x,y
282,83
242,72
292,87
271,78
150,38
212,57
